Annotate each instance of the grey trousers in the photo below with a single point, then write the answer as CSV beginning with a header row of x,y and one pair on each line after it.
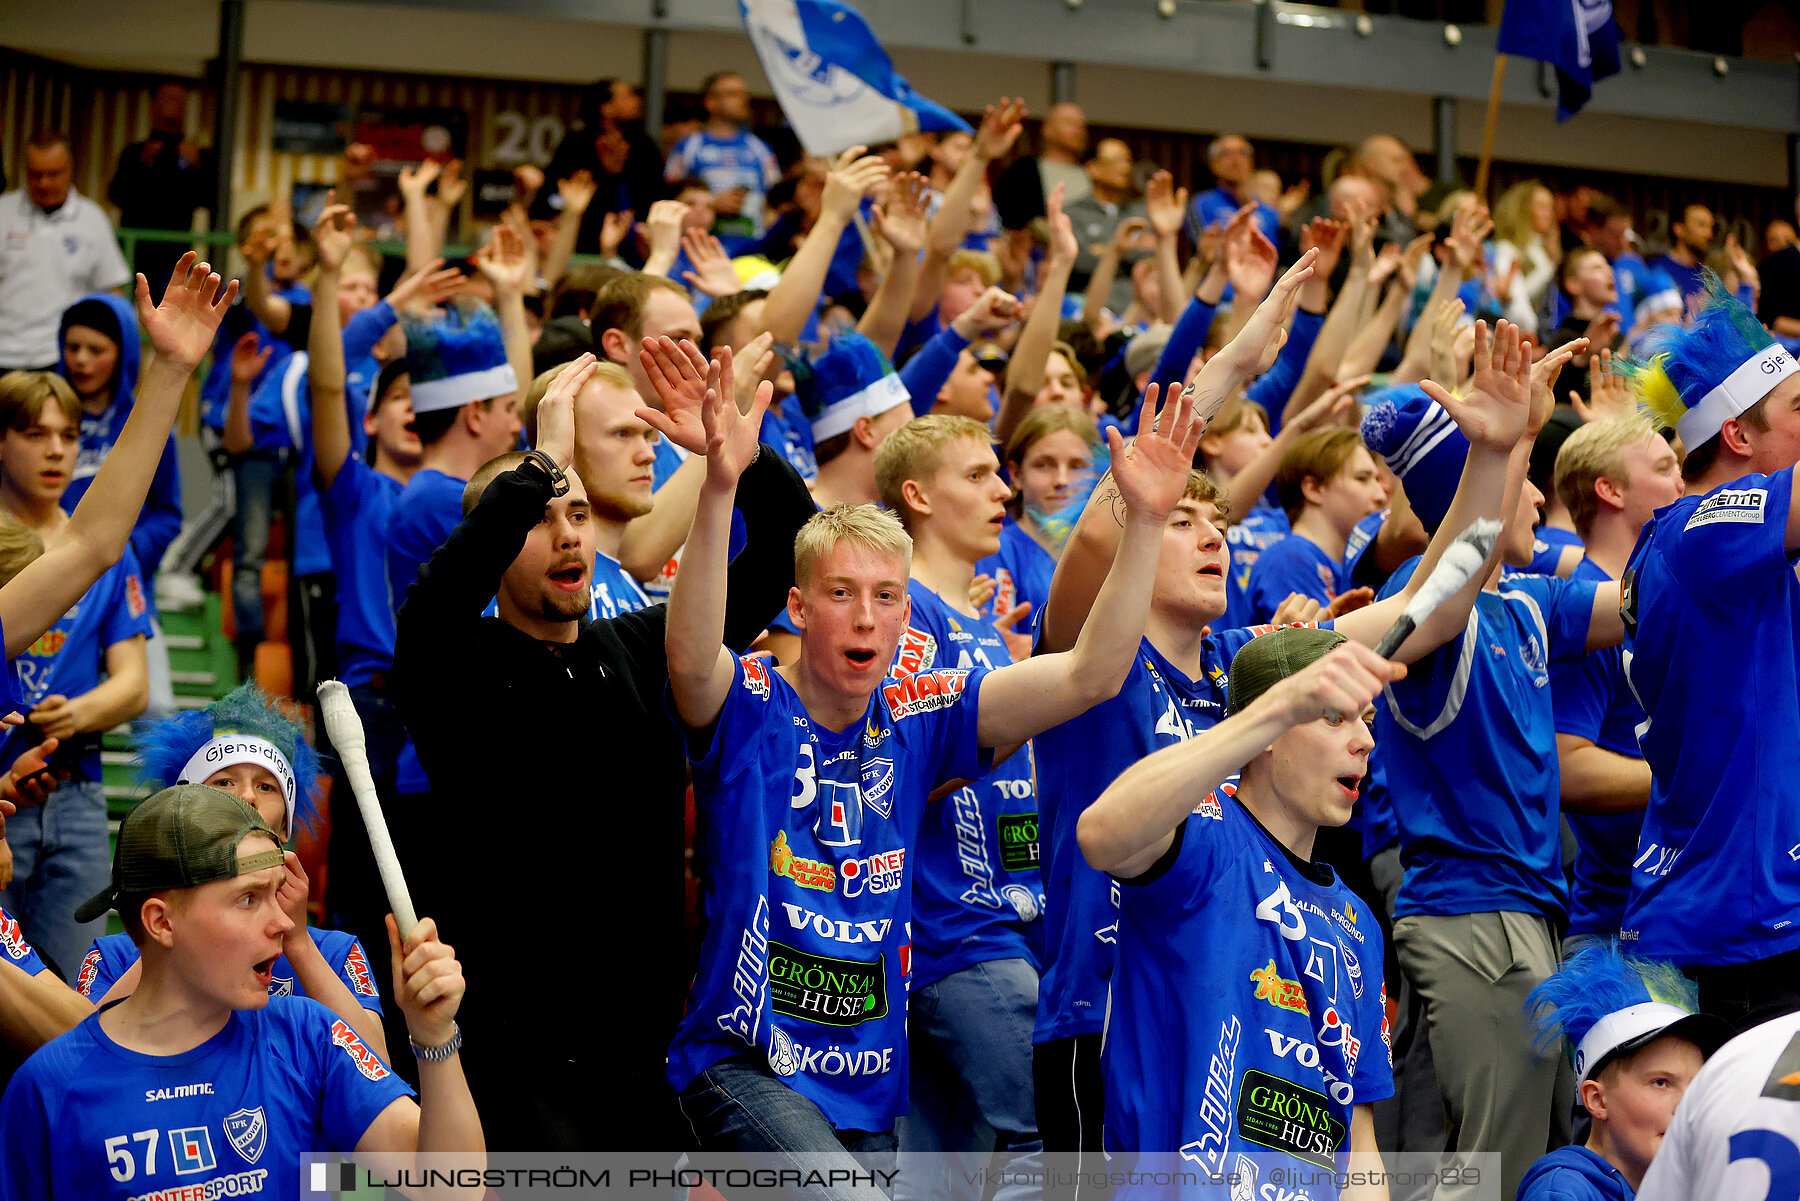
x,y
1412,1120
1473,971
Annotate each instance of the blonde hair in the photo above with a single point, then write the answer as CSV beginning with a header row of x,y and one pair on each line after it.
x,y
23,395
19,548
1041,422
982,262
916,450
1318,455
868,526
1512,212
1594,452
604,372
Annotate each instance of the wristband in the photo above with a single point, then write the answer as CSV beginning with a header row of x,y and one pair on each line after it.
x,y
440,1053
559,483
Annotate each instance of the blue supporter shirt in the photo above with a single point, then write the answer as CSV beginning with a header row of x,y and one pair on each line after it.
x,y
1361,539
1216,206
1262,527
356,509
1022,570
740,160
1249,1013
1592,700
807,957
977,892
67,659
788,431
85,1117
18,952
428,508
1158,706
112,955
612,591
1294,564
1712,608
1468,741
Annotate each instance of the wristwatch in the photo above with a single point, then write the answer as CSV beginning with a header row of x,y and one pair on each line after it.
x,y
438,1054
559,483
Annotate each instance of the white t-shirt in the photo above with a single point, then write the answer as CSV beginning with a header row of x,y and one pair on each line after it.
x,y
1736,1134
48,261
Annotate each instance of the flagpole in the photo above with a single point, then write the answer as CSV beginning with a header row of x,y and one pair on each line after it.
x,y
1487,133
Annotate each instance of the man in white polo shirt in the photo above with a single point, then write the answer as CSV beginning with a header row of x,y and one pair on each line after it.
x,y
56,246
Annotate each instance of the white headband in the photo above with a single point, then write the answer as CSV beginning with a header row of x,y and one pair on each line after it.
x,y
1753,380
1616,1029
229,749
455,391
871,401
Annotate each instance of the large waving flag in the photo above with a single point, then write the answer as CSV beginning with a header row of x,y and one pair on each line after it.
x,y
833,79
1577,37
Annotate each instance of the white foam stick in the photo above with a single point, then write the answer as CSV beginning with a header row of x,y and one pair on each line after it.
x,y
1458,566
346,730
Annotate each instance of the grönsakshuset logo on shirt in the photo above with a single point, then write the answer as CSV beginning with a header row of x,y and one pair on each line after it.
x,y
825,989
1285,1116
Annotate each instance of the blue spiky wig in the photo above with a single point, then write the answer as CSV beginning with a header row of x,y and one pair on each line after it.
x,y
241,727
456,357
1608,1004
1421,444
1695,378
853,379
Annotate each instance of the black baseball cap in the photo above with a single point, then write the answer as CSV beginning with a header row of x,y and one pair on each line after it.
x,y
1270,658
182,837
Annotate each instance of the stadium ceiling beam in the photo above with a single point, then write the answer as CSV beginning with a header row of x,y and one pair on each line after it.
x,y
1254,39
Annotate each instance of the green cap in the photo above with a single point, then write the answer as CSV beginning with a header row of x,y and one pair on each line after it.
x,y
1270,658
180,838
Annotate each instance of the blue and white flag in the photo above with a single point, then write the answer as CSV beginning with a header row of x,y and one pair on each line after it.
x,y
833,79
1577,37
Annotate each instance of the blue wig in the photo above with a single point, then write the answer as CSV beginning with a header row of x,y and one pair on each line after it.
x,y
1599,981
164,747
1678,365
852,364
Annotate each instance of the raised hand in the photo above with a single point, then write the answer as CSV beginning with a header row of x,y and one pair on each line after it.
x,y
1000,128
1254,349
902,221
1496,410
451,184
429,982
1349,601
713,273
664,224
1250,258
1610,394
503,261
1329,237
334,233
1152,471
853,176
1296,609
415,180
613,228
1064,249
981,591
1387,261
1469,229
1603,330
426,288
678,372
752,361
1292,197
993,310
181,328
1165,205
1364,221
1328,408
1018,642
1741,264
577,192
527,179
1410,259
556,411
1444,364
731,436
248,357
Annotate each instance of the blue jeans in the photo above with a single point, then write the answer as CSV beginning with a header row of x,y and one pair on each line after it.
x,y
739,1105
970,1039
60,859
256,475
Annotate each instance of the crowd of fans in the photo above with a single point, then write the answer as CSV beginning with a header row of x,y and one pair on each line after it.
x,y
997,544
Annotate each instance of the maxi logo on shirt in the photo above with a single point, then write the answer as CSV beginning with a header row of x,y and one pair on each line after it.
x,y
1282,1115
826,990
